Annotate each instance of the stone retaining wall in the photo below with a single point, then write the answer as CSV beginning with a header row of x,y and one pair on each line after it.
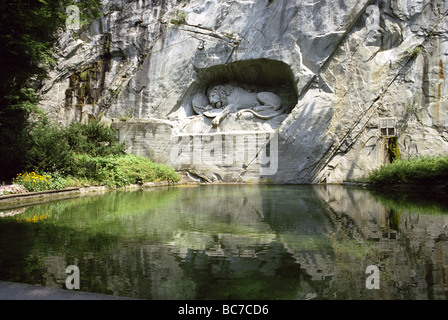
x,y
31,198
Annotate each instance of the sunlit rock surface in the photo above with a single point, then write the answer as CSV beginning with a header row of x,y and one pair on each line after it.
x,y
349,74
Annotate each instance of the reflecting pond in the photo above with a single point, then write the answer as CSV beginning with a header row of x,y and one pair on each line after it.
x,y
234,242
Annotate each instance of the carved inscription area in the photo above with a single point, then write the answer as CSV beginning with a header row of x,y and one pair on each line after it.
x,y
210,53
236,149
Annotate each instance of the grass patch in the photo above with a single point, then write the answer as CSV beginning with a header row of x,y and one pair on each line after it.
x,y
422,171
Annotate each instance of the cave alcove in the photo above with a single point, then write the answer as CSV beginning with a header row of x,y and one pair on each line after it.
x,y
255,75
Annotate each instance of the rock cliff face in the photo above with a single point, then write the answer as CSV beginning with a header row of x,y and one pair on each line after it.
x,y
350,75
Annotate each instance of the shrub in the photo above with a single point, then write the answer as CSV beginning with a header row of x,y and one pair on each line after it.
x,y
57,181
47,148
139,170
50,149
89,153
424,170
94,138
114,171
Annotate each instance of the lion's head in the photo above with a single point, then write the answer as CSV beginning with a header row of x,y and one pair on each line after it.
x,y
218,95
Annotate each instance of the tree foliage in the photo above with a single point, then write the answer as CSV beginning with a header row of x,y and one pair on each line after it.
x,y
47,148
52,149
94,139
28,31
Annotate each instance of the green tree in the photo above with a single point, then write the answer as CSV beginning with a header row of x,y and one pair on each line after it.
x,y
28,31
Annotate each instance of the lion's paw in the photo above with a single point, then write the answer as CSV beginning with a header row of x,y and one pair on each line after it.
x,y
215,122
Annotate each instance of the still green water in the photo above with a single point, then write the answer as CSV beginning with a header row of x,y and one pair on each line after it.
x,y
234,242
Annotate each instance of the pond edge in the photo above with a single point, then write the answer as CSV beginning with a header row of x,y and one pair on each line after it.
x,y
30,198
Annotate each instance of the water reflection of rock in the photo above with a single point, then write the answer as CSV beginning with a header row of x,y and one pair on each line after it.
x,y
330,234
410,248
287,242
302,228
267,238
218,218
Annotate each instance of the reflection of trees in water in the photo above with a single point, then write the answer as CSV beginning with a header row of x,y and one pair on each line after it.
x,y
421,200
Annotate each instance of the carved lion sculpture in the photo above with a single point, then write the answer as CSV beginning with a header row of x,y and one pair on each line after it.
x,y
225,99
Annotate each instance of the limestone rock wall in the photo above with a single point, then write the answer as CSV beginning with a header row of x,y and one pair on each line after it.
x,y
350,74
